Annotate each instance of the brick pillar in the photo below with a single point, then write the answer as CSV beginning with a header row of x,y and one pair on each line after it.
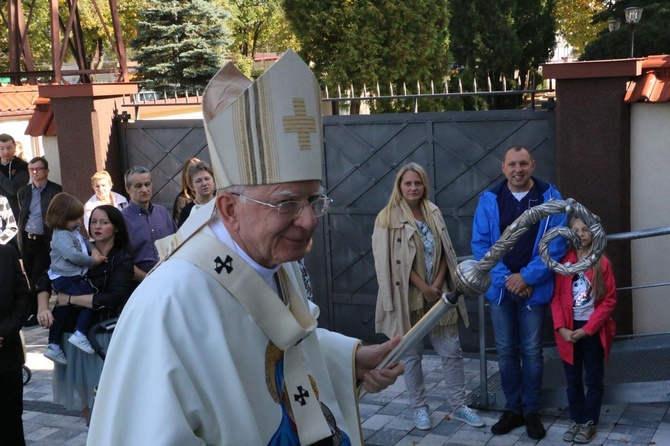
x,y
86,139
593,153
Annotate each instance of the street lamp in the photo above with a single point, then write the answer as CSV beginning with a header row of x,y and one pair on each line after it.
x,y
614,24
633,16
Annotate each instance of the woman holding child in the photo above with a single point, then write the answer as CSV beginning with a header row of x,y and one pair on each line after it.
x,y
73,383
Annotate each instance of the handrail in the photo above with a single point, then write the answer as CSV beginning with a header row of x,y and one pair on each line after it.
x,y
631,235
642,233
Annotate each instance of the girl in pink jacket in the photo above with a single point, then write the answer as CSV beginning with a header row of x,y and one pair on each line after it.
x,y
584,331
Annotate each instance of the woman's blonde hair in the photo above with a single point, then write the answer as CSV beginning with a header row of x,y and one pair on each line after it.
x,y
598,281
101,175
383,219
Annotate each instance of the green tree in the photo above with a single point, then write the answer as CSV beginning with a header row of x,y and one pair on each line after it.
x,y
651,34
259,27
97,25
574,20
505,39
362,42
179,44
94,29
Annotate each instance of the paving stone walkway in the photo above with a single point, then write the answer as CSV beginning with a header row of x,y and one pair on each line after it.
x,y
385,417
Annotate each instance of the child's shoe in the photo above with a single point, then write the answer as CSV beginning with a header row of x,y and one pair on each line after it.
x,y
57,356
81,343
569,434
586,433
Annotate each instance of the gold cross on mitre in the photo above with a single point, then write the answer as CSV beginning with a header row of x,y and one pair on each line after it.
x,y
300,123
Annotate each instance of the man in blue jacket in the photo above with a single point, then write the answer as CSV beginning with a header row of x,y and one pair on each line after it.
x,y
521,287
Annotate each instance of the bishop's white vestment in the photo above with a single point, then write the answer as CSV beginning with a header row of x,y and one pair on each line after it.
x,y
189,364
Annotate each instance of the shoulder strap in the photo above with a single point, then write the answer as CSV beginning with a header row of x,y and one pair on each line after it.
x,y
285,326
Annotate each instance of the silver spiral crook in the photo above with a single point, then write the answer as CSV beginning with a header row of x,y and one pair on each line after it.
x,y
472,277
598,241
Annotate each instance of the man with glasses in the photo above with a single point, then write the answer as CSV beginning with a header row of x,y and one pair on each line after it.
x,y
219,345
34,235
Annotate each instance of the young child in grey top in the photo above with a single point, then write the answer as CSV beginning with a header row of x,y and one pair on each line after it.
x,y
70,262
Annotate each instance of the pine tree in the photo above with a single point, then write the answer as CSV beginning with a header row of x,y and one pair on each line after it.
x,y
180,44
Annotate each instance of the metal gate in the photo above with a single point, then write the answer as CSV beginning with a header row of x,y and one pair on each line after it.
x,y
461,151
163,147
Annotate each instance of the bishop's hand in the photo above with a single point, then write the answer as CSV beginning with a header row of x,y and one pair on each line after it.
x,y
367,358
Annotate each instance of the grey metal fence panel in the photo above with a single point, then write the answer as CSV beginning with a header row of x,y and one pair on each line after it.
x,y
163,147
461,151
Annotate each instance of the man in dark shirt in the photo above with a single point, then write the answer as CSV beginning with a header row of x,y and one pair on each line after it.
x,y
521,287
13,172
34,235
146,222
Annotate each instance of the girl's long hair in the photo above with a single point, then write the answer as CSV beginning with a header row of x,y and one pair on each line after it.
x,y
598,281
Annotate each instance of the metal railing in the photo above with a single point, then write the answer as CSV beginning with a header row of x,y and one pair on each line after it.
x,y
483,398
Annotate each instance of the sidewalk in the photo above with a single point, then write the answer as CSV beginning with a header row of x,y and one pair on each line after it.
x,y
46,423
385,417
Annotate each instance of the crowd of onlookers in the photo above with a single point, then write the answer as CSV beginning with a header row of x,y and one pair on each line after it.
x,y
90,257
415,260
82,262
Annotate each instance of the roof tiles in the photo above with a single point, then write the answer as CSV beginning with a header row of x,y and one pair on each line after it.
x,y
653,85
17,100
42,123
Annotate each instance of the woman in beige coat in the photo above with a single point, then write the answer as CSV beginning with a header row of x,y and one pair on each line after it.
x,y
414,261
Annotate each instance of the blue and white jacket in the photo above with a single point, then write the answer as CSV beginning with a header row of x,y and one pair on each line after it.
x,y
486,231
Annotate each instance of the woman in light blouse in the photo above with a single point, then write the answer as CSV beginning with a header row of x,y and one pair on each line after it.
x,y
101,182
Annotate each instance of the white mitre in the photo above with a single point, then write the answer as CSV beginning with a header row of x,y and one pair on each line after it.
x,y
264,132
268,131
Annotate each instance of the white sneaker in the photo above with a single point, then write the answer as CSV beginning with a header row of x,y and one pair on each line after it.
x,y
421,419
81,343
467,416
57,356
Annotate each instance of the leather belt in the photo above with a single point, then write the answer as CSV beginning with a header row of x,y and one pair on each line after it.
x,y
32,236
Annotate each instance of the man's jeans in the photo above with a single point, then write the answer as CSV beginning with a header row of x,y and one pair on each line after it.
x,y
518,335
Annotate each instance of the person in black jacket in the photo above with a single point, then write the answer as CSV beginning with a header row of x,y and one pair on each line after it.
x,y
34,235
74,382
13,172
14,310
